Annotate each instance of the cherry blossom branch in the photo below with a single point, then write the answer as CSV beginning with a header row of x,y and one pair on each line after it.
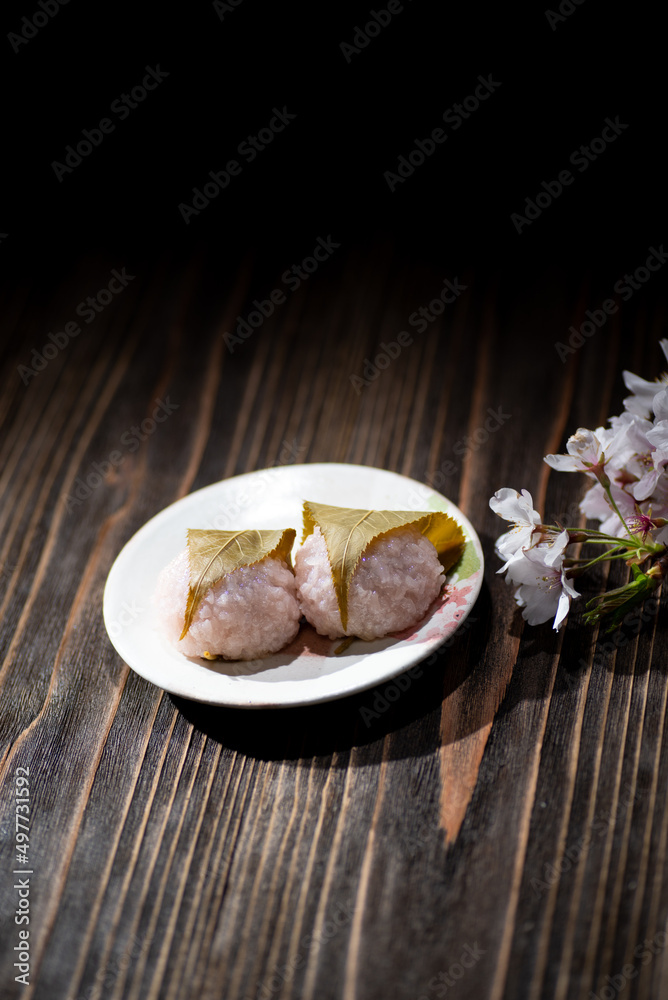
x,y
627,464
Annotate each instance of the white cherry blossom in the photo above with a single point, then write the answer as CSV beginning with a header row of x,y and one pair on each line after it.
x,y
595,506
543,590
643,392
658,438
628,463
660,404
584,451
590,451
517,508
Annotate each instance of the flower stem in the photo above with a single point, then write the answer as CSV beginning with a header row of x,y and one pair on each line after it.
x,y
604,557
616,509
605,541
578,570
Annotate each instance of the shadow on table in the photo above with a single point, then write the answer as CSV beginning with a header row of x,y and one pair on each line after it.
x,y
445,698
406,709
635,648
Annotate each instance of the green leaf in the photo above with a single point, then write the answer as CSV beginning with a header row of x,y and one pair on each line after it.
x,y
348,532
613,606
469,562
215,554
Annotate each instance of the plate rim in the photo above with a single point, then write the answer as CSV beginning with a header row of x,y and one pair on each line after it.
x,y
227,699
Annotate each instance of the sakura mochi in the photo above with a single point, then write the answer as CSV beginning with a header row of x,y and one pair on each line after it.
x,y
230,594
370,573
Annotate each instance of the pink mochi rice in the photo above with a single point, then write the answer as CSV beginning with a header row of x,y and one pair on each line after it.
x,y
252,612
397,578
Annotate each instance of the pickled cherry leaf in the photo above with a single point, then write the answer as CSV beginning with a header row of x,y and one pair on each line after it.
x,y
214,554
348,532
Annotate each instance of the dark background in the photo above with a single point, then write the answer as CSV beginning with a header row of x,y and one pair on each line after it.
x,y
324,173
211,841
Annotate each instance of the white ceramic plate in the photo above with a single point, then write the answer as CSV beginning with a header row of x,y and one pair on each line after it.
x,y
308,670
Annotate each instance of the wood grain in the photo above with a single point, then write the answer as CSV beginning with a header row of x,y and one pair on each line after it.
x,y
509,806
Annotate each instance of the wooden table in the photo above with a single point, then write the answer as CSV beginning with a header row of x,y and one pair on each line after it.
x,y
499,830
496,831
